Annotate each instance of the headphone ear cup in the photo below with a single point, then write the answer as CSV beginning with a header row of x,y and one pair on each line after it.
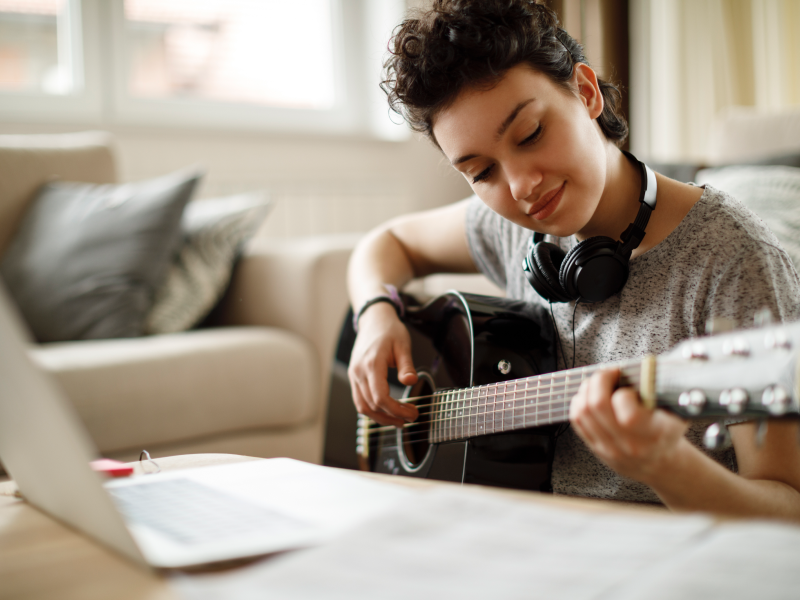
x,y
545,260
593,271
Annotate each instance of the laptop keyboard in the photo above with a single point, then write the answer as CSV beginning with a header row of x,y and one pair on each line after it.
x,y
192,513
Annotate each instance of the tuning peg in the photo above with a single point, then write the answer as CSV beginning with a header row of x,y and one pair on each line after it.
x,y
761,433
763,317
776,399
716,325
717,437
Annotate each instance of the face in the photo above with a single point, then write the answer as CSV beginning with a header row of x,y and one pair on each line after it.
x,y
531,150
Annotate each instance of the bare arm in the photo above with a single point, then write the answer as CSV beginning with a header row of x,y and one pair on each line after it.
x,y
649,446
768,483
410,246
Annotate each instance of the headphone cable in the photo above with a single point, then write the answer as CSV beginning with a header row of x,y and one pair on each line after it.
x,y
558,337
574,310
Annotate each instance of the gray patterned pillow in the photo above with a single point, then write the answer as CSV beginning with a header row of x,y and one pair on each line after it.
x,y
772,192
87,259
213,233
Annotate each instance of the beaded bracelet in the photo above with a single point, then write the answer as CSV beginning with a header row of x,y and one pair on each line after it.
x,y
393,298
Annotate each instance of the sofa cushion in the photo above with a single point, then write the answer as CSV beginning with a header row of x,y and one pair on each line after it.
x,y
772,192
213,232
132,394
29,161
87,259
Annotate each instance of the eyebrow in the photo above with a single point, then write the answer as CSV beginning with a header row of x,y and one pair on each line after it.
x,y
501,130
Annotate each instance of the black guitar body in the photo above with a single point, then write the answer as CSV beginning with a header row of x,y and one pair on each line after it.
x,y
458,341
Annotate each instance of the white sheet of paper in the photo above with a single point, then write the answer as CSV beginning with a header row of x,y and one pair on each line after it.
x,y
736,560
466,544
333,499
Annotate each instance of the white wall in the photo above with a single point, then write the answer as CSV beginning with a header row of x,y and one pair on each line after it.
x,y
321,185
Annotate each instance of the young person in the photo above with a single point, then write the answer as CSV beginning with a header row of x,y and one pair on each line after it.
x,y
514,106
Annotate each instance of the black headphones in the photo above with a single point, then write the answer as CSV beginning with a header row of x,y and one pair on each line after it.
x,y
596,268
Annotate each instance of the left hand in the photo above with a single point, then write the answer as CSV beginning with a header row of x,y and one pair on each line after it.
x,y
620,431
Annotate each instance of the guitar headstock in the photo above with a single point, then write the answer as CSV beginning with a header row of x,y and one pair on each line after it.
x,y
749,373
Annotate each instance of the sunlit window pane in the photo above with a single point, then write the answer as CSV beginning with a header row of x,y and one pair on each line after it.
x,y
35,47
268,52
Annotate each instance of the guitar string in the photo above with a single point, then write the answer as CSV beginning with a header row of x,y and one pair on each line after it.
x,y
460,423
463,426
459,426
469,406
538,392
540,382
494,410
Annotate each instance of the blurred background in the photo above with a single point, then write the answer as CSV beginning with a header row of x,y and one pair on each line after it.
x,y
284,96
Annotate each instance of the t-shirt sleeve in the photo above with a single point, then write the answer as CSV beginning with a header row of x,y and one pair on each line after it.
x,y
484,239
759,276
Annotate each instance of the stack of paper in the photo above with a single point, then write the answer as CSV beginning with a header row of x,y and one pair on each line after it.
x,y
468,544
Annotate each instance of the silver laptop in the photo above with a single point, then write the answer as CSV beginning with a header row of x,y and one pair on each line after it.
x,y
168,520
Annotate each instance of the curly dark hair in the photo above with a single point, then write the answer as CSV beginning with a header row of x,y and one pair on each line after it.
x,y
472,43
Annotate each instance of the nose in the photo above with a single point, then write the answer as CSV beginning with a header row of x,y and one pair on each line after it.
x,y
523,179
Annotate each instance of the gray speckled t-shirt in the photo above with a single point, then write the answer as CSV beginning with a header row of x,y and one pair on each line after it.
x,y
721,261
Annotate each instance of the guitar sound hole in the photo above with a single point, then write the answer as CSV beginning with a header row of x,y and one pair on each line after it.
x,y
416,435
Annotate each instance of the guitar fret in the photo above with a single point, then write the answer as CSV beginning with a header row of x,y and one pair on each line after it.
x,y
524,404
454,416
534,402
539,394
457,416
519,407
443,417
498,407
548,404
436,412
482,410
453,408
468,413
473,414
508,408
463,418
434,420
449,433
561,404
491,397
460,415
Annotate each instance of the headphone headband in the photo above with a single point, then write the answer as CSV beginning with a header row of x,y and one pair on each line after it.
x,y
634,234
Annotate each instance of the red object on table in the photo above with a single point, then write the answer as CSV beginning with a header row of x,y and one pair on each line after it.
x,y
114,468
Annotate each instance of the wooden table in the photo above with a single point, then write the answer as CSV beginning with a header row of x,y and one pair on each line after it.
x,y
40,558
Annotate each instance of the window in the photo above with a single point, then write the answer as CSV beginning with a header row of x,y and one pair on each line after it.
x,y
261,65
35,49
42,65
235,51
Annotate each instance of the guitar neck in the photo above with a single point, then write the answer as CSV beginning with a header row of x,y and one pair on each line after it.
x,y
515,404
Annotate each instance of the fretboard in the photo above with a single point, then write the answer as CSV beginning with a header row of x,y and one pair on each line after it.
x,y
516,404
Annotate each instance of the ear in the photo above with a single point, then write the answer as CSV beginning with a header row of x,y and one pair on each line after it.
x,y
585,81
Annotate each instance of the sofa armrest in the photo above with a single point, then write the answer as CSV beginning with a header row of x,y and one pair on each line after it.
x,y
295,284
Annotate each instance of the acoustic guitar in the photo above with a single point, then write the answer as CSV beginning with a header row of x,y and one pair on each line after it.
x,y
491,404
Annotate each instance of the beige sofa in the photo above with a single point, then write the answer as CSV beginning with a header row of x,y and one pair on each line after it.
x,y
254,385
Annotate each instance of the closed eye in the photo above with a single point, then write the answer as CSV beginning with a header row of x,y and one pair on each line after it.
x,y
532,137
483,174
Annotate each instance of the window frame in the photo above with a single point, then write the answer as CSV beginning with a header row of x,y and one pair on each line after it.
x,y
104,99
82,105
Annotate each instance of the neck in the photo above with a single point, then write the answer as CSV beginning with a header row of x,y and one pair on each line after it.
x,y
619,202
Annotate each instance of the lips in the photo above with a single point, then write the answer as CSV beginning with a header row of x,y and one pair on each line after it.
x,y
545,206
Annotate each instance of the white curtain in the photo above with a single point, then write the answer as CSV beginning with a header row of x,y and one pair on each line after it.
x,y
693,59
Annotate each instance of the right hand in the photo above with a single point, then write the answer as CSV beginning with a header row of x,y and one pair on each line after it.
x,y
382,342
